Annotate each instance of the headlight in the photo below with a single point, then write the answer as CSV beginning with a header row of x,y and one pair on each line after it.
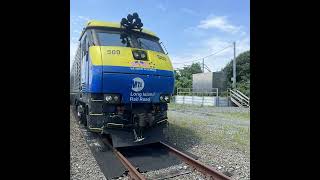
x,y
139,55
136,54
112,98
116,98
108,98
165,98
143,55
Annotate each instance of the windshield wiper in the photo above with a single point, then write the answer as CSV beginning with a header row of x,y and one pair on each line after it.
x,y
164,48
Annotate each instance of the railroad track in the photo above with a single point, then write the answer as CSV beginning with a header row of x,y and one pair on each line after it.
x,y
133,173
204,169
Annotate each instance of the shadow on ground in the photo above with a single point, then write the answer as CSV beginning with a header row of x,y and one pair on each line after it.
x,y
182,137
150,157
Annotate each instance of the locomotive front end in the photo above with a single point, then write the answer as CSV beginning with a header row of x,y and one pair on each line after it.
x,y
130,81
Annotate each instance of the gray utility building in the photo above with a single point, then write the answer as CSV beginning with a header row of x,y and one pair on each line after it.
x,y
209,80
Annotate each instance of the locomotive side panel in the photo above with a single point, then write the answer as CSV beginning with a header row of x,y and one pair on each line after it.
x,y
75,77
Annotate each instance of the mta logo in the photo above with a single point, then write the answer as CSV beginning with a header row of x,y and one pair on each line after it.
x,y
137,84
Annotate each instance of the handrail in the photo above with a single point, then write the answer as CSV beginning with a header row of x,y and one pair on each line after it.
x,y
236,102
239,98
246,97
240,95
237,94
239,101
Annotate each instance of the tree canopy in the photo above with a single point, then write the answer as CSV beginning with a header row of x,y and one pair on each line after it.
x,y
242,71
183,77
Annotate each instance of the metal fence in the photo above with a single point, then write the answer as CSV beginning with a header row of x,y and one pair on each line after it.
x,y
197,92
202,97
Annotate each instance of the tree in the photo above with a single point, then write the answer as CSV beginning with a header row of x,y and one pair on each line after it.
x,y
243,72
183,77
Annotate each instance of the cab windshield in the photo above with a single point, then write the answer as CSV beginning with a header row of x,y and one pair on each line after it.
x,y
135,40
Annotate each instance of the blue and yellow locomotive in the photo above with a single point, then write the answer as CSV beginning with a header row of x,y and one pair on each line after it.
x,y
121,81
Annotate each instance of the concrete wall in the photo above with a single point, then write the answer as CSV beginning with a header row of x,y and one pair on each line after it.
x,y
207,81
202,81
219,81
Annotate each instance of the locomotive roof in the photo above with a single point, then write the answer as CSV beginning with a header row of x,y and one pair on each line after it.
x,y
94,23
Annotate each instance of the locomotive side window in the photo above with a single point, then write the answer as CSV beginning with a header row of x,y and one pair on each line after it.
x,y
84,46
84,62
91,41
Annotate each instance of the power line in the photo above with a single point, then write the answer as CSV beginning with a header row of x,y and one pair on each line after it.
x,y
206,56
185,62
217,52
207,67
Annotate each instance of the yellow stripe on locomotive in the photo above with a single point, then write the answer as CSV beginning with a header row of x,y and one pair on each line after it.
x,y
122,56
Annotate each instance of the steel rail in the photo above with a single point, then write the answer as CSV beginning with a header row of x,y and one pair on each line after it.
x,y
133,172
211,172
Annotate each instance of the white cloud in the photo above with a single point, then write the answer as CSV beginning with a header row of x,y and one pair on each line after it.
x,y
207,43
218,61
243,45
218,22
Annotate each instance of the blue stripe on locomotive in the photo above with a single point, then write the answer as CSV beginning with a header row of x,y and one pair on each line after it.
x,y
118,79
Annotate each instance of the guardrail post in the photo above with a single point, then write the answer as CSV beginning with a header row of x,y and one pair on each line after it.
x,y
192,99
183,100
202,101
217,96
228,97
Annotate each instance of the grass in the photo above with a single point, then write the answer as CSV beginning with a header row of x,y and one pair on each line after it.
x,y
207,110
217,129
183,106
236,115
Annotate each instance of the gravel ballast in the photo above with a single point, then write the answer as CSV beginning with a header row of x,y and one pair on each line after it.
x,y
218,136
82,163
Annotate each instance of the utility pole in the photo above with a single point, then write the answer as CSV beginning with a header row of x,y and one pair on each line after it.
x,y
203,65
234,65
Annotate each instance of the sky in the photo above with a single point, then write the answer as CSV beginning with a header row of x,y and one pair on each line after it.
x,y
189,29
